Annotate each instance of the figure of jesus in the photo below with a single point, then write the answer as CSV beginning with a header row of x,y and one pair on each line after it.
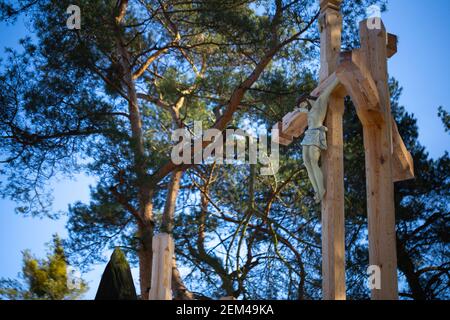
x,y
315,139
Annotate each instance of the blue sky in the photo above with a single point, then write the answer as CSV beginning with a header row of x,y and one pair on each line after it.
x,y
422,66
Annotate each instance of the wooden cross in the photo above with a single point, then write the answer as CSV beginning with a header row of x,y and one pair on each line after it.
x,y
363,76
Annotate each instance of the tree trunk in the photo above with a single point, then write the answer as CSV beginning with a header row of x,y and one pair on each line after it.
x,y
145,192
145,254
171,201
180,292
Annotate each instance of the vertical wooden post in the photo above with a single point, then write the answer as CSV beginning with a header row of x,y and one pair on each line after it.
x,y
333,236
161,288
380,188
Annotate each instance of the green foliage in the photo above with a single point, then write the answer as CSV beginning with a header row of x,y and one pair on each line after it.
x,y
445,116
43,279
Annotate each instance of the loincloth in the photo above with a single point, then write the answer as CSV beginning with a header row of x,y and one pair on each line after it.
x,y
316,137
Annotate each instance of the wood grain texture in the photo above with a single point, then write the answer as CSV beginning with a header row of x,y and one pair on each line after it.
x,y
379,178
161,288
362,89
283,138
402,161
333,244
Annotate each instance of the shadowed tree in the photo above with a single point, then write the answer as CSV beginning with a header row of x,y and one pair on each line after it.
x,y
117,281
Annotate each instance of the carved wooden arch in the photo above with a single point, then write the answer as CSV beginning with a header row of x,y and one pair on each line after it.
x,y
357,83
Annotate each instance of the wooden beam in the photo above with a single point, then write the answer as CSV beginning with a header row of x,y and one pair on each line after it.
x,y
283,139
333,236
330,27
392,41
356,81
339,90
361,88
402,161
161,285
294,123
380,186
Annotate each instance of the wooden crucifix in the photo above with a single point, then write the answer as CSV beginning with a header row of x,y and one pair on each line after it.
x,y
362,74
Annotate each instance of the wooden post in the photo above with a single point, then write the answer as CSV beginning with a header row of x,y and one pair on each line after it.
x,y
161,287
333,237
378,150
